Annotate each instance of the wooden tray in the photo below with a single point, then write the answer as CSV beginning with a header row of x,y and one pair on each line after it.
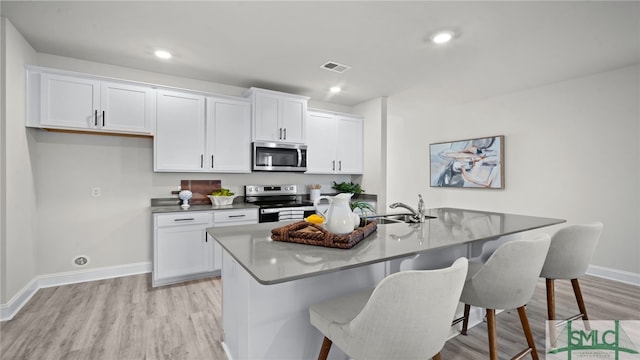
x,y
303,232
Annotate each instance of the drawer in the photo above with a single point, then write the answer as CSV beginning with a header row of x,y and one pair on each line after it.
x,y
247,216
186,218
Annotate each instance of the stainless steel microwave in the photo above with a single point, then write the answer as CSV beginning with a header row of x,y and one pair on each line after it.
x,y
279,157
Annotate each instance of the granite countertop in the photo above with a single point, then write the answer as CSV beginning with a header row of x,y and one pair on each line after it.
x,y
272,262
166,205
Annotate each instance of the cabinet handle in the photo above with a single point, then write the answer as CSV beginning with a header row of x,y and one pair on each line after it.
x,y
201,161
212,161
333,167
95,118
280,135
206,238
340,165
237,216
285,133
102,118
184,219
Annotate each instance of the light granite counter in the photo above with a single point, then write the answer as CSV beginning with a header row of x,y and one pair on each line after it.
x,y
272,262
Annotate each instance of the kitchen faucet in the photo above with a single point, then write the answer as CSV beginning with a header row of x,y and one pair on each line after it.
x,y
419,215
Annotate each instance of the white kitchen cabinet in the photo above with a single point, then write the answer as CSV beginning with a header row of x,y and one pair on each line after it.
x,y
182,249
84,103
228,139
334,143
278,117
180,132
192,139
235,217
231,217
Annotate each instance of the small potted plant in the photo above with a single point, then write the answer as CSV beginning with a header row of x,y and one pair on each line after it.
x,y
348,187
364,209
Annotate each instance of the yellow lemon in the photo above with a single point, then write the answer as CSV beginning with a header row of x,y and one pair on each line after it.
x,y
315,218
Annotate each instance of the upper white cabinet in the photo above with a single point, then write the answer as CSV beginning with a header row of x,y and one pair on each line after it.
x,y
195,133
84,103
278,117
180,132
228,135
334,143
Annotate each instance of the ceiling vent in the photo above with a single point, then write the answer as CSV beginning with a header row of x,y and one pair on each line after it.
x,y
334,66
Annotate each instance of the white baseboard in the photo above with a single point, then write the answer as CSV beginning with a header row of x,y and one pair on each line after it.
x,y
613,274
9,310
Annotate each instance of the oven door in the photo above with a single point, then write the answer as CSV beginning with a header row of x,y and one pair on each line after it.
x,y
279,157
285,213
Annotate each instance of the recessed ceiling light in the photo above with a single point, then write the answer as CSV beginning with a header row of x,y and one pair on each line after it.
x,y
335,89
442,37
163,54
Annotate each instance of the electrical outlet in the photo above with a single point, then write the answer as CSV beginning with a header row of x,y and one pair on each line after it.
x,y
96,192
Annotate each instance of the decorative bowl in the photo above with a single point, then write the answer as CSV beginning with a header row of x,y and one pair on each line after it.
x,y
221,200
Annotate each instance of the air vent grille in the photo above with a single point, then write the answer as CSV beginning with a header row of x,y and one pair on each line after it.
x,y
335,67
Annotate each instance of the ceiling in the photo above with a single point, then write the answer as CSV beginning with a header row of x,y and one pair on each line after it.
x,y
500,46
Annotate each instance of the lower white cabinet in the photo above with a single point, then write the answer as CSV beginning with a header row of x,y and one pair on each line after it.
x,y
182,249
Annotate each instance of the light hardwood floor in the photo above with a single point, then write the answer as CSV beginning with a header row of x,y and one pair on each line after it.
x,y
125,318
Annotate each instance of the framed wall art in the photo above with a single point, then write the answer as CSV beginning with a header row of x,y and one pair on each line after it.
x,y
471,163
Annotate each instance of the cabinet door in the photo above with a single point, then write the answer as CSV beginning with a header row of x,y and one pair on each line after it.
x,y
292,119
266,124
321,143
126,108
69,102
350,145
228,136
180,132
181,251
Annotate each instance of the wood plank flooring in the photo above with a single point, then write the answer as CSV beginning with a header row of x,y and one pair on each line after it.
x,y
124,318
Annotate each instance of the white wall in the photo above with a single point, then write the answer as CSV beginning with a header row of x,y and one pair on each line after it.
x,y
3,154
572,152
19,193
374,112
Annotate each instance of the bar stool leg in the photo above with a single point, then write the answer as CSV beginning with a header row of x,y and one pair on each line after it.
x,y
578,293
324,350
522,312
465,322
493,336
551,308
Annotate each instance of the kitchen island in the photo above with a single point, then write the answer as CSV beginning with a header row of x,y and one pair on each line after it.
x,y
269,285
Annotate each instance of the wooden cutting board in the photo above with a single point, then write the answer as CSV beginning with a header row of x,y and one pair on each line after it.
x,y
200,190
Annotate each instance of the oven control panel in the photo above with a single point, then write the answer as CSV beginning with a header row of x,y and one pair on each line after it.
x,y
266,190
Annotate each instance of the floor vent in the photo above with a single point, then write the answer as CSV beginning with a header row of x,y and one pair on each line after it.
x,y
334,66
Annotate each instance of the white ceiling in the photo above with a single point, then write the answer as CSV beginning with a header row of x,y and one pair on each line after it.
x,y
502,46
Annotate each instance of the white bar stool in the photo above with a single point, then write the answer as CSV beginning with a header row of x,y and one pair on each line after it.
x,y
407,316
569,255
506,281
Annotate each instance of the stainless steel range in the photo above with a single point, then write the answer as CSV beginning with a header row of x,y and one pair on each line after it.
x,y
278,202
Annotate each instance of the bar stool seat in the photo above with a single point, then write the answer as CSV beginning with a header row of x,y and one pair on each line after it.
x,y
569,255
407,316
506,281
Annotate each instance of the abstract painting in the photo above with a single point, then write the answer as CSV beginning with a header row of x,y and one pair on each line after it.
x,y
472,163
